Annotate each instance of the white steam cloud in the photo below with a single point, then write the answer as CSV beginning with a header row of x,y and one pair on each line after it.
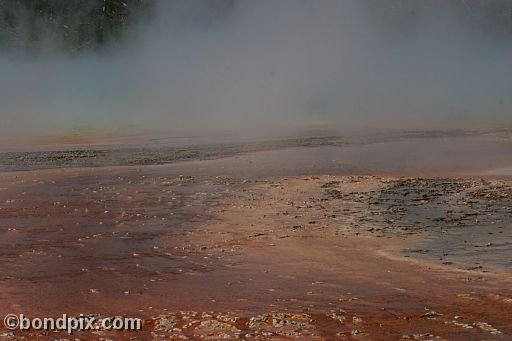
x,y
252,66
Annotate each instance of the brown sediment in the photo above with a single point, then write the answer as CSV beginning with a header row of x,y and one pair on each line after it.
x,y
226,256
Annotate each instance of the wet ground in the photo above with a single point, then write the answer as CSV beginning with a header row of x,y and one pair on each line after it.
x,y
268,245
462,220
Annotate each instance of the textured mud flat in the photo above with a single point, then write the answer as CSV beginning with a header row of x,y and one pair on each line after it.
x,y
110,156
213,257
466,220
494,148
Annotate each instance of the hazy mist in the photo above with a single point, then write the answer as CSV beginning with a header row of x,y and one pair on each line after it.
x,y
253,66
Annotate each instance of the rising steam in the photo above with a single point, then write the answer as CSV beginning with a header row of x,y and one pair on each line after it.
x,y
253,66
